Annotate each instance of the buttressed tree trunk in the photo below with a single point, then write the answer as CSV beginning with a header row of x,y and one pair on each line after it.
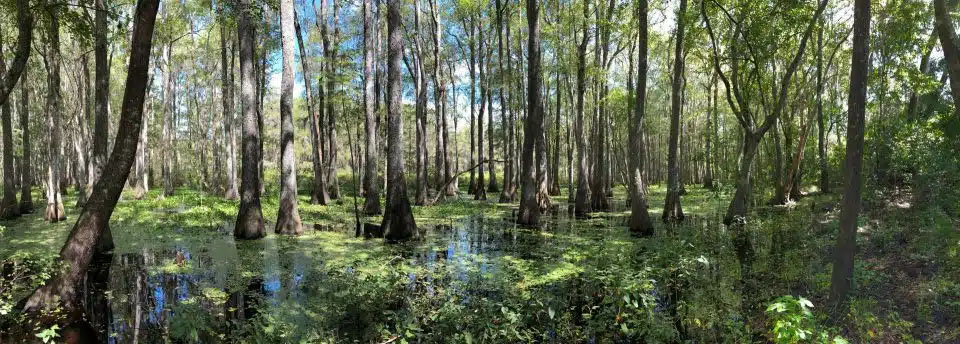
x,y
60,290
54,211
398,222
843,254
249,223
26,182
533,126
672,210
288,216
8,206
639,214
371,187
581,201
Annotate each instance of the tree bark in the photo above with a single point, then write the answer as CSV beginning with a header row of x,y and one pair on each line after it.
x,y
60,290
288,216
398,223
672,209
481,188
581,202
227,91
371,205
533,125
168,118
951,50
509,188
101,126
26,169
845,249
8,206
24,39
249,224
640,222
54,211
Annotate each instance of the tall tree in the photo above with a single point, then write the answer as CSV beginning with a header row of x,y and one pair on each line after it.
x,y
442,157
509,189
371,187
54,211
60,289
227,93
581,201
249,223
672,209
846,246
481,189
398,222
26,170
167,124
533,125
420,91
318,195
639,214
101,126
8,206
288,216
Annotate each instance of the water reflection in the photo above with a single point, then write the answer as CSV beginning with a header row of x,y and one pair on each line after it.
x,y
146,296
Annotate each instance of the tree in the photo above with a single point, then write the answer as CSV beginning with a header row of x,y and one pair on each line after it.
x,y
54,211
581,201
533,125
24,39
951,50
639,214
288,216
227,92
371,205
26,182
60,289
743,110
249,223
319,193
672,210
509,188
480,193
440,107
398,222
101,127
845,249
8,206
420,90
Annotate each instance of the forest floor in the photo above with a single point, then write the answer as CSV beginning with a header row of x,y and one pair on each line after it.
x,y
176,273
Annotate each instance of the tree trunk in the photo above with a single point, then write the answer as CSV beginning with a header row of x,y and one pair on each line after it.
x,y
532,126
8,206
168,117
672,209
142,165
101,126
371,205
711,130
509,188
319,193
481,188
420,92
249,224
60,290
24,39
951,50
821,134
227,91
845,249
581,201
54,211
398,222
473,105
640,222
288,216
26,169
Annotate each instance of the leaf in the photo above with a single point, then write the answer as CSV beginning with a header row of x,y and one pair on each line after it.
x,y
550,312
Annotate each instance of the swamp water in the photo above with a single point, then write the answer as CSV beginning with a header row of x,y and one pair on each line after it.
x,y
472,277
